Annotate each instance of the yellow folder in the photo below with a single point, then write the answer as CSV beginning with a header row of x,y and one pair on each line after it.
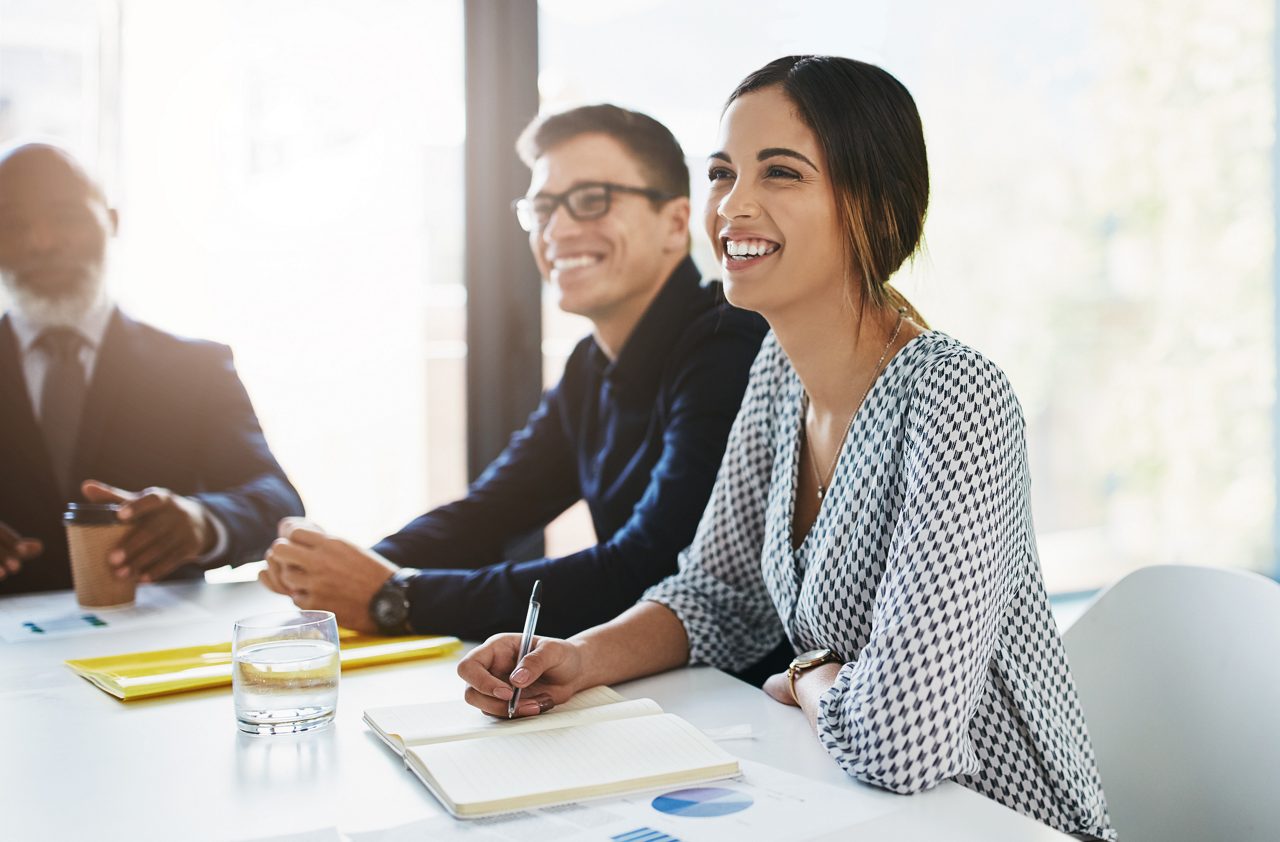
x,y
141,675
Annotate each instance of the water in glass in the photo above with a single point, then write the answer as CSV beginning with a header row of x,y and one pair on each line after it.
x,y
285,672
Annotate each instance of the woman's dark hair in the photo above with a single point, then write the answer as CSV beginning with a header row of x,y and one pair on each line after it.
x,y
652,145
869,131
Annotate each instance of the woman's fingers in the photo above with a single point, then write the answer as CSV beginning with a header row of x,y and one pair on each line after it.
x,y
486,703
485,667
542,658
544,675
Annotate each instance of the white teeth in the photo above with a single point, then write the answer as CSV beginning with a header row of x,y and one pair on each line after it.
x,y
749,248
574,262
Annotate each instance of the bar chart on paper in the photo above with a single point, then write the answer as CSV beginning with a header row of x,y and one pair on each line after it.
x,y
643,834
43,616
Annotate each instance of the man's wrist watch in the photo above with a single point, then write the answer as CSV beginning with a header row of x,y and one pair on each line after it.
x,y
805,661
389,607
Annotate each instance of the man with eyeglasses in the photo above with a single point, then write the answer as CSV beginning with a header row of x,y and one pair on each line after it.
x,y
637,425
98,407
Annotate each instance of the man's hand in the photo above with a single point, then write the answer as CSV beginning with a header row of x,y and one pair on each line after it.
x,y
14,549
319,570
168,530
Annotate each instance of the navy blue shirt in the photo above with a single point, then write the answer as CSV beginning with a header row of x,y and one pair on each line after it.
x,y
639,438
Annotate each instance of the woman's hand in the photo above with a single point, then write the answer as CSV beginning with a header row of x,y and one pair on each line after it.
x,y
548,676
810,686
778,686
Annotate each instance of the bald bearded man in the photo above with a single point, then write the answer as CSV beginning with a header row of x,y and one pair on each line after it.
x,y
95,406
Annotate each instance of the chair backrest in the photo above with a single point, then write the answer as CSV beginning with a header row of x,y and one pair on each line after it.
x,y
1178,670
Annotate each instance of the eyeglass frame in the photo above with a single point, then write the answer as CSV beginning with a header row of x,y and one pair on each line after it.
x,y
562,199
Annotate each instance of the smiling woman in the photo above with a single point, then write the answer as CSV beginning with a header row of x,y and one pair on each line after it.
x,y
870,200
905,575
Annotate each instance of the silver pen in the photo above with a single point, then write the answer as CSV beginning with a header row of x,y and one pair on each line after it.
x,y
526,641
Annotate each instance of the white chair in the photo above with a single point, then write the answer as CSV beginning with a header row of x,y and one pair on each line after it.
x,y
1178,670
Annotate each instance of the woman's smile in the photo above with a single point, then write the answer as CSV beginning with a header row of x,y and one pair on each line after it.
x,y
741,251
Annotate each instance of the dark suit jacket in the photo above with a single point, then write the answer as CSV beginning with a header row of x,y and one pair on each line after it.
x,y
161,411
638,438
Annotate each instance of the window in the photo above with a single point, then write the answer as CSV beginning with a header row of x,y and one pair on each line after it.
x,y
56,74
1101,227
289,180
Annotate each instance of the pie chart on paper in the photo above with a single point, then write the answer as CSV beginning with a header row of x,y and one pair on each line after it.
x,y
702,802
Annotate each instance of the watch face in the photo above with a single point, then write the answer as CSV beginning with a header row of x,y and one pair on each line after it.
x,y
390,609
812,657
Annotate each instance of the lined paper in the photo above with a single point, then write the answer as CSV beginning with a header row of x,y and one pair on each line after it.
x,y
456,720
567,764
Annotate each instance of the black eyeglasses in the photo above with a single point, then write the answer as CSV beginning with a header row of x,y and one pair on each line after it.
x,y
584,203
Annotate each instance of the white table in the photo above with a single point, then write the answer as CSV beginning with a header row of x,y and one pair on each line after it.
x,y
76,763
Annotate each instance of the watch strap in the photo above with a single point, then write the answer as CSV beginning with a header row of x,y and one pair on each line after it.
x,y
402,577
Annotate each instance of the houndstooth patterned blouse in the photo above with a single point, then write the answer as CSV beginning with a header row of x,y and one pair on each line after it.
x,y
920,571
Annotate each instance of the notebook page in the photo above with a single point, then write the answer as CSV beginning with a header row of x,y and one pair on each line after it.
x,y
434,722
566,764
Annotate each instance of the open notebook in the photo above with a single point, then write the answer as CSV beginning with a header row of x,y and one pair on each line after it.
x,y
595,745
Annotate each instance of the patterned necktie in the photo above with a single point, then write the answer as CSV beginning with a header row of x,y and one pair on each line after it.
x,y
62,399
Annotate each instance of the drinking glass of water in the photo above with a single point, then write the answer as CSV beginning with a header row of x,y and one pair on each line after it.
x,y
285,668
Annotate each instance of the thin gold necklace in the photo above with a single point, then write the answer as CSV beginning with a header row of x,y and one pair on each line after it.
x,y
813,457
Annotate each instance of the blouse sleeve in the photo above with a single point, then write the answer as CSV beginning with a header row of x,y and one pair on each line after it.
x,y
899,716
718,593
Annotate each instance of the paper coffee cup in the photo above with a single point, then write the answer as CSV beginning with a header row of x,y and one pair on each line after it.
x,y
93,531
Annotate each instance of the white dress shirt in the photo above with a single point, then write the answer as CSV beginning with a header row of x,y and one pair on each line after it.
x,y
92,327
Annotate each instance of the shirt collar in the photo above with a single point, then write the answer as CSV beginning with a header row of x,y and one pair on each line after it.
x,y
92,325
642,357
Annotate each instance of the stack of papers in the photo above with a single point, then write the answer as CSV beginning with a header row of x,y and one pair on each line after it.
x,y
764,803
